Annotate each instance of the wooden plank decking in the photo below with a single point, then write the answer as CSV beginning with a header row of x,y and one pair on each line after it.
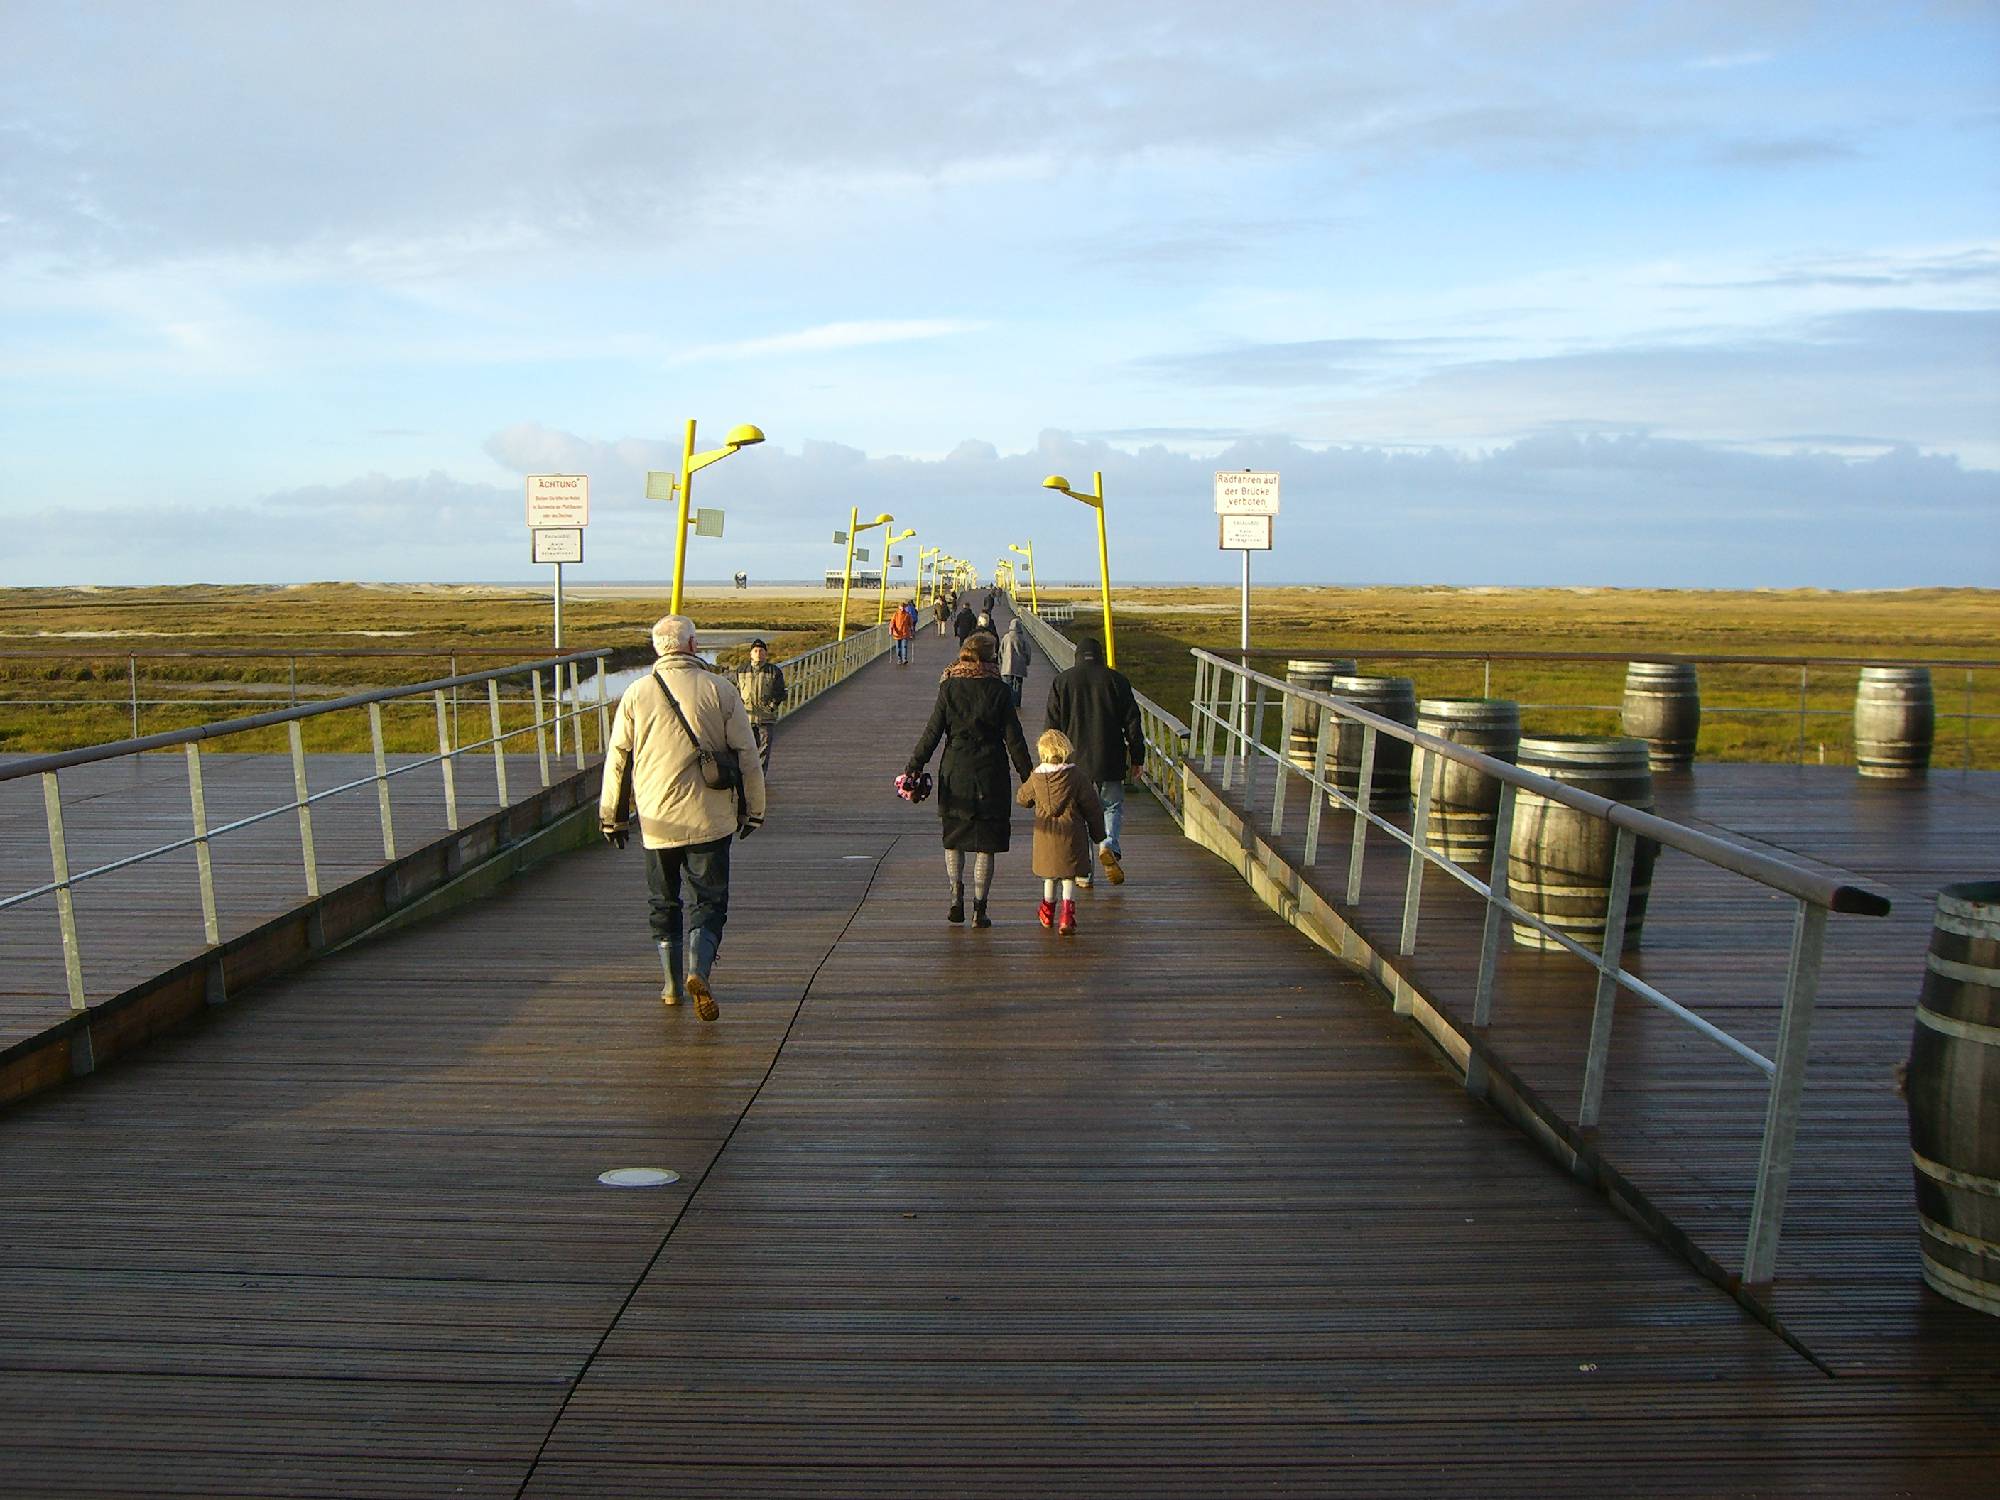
x,y
1172,1207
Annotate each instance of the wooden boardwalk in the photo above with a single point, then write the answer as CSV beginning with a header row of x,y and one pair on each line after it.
x,y
1173,1207
1682,1118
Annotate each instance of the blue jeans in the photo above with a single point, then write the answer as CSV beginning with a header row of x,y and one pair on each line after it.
x,y
1014,687
902,650
707,869
1112,795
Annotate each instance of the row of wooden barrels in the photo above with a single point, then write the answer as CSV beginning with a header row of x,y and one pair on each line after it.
x,y
1559,868
1559,860
1895,716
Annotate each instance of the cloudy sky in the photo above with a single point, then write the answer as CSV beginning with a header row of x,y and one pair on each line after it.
x,y
1542,291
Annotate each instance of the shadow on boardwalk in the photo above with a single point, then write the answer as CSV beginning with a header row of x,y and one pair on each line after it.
x,y
1172,1207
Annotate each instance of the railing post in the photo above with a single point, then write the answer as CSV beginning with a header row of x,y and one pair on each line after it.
x,y
292,681
576,711
204,868
1253,750
1486,682
603,712
1227,731
1802,713
451,665
306,850
1281,778
1781,1110
1968,718
381,780
1419,842
541,732
65,902
1497,920
1316,787
499,743
445,753
132,676
1610,955
1362,798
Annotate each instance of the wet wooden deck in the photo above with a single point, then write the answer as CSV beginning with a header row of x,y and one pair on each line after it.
x,y
1175,1206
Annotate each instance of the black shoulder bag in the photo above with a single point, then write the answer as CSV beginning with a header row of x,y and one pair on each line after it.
x,y
721,770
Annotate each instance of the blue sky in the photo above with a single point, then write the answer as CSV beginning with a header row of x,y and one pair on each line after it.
x,y
1541,292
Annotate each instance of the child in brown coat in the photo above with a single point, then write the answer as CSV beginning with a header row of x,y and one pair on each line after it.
x,y
1069,823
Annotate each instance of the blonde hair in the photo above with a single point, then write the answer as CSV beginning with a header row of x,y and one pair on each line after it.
x,y
1054,747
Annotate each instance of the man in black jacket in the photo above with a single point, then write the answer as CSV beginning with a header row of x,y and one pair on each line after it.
x,y
964,623
1094,705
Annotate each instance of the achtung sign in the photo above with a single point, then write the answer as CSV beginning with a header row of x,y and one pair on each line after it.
x,y
558,501
1239,492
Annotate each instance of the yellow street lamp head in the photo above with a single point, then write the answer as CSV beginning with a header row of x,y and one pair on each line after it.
x,y
1056,482
744,436
882,520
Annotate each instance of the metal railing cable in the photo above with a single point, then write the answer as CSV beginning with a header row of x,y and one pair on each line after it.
x,y
1231,703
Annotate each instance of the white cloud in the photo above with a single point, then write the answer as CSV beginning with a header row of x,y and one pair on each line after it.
x,y
832,336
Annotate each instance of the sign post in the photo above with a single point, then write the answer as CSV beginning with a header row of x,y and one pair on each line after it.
x,y
1245,503
558,510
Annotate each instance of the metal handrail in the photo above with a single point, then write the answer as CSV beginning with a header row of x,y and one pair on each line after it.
x,y
1223,706
62,760
191,739
1428,653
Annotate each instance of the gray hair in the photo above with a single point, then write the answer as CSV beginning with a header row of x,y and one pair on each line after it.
x,y
671,634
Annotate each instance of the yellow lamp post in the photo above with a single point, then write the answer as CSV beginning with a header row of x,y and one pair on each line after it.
x,y
1034,598
926,555
1095,500
739,437
888,541
854,529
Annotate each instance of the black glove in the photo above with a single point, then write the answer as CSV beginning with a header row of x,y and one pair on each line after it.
x,y
748,826
617,835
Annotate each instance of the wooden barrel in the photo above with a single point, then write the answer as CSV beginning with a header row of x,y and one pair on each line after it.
x,y
1391,698
1463,800
1663,708
1953,1089
1894,720
1314,676
1559,859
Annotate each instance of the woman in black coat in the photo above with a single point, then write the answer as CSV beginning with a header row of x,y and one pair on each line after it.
x,y
975,716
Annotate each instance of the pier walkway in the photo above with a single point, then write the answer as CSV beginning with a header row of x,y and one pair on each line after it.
x,y
1176,1206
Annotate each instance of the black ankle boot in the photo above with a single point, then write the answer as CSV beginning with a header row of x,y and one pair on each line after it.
x,y
979,917
957,912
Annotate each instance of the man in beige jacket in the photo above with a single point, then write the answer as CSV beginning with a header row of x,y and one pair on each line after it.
x,y
685,826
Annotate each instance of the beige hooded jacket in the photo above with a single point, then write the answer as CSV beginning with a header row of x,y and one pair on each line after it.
x,y
673,805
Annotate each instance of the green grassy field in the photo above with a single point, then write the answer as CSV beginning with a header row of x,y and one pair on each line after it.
x,y
1156,627
75,648
67,656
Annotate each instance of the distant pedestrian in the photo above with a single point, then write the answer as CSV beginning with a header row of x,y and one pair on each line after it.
x,y
975,718
943,612
1015,658
989,601
1068,817
964,623
654,772
1094,705
902,627
762,685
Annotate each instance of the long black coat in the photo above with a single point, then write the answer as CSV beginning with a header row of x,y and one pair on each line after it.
x,y
1094,705
975,718
964,623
